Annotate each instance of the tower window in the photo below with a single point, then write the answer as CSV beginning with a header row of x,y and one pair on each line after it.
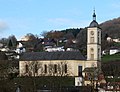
x,y
98,38
92,33
92,50
98,53
92,40
92,56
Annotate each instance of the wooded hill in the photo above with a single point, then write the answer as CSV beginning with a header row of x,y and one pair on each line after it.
x,y
109,28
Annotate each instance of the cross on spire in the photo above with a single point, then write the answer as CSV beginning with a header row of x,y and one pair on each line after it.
x,y
94,15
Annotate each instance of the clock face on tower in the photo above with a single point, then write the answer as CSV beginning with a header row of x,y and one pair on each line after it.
x,y
92,33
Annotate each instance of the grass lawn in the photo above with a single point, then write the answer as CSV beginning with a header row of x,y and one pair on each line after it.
x,y
108,58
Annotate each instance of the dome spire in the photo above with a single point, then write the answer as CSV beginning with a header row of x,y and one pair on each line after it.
x,y
94,15
94,22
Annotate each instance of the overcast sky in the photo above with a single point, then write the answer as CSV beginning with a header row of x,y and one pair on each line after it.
x,y
19,17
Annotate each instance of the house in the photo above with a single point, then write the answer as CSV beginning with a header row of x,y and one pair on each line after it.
x,y
111,51
20,48
64,63
109,39
116,40
1,45
53,49
114,51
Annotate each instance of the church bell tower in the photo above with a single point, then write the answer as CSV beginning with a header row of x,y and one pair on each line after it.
x,y
94,41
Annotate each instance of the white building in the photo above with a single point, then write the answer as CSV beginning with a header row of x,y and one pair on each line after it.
x,y
114,51
54,49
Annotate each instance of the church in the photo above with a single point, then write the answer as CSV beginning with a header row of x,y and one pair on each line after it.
x,y
64,63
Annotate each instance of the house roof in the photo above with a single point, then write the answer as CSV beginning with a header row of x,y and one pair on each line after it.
x,y
67,55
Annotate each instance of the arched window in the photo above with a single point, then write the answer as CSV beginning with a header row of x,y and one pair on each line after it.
x,y
55,68
26,69
36,68
65,68
45,68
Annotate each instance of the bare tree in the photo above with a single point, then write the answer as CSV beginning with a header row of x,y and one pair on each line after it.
x,y
4,66
33,69
63,69
51,69
44,34
59,69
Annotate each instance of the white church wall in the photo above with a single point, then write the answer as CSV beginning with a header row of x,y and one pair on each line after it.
x,y
72,66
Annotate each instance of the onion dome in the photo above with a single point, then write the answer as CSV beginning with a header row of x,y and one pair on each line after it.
x,y
94,22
